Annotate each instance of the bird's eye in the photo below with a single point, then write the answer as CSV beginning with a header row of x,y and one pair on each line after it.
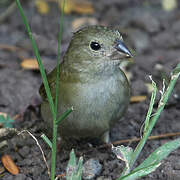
x,y
95,46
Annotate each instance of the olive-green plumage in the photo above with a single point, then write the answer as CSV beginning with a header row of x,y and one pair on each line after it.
x,y
92,82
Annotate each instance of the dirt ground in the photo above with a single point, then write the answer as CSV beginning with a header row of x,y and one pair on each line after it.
x,y
154,36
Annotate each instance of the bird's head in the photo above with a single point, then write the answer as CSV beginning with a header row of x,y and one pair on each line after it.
x,y
94,45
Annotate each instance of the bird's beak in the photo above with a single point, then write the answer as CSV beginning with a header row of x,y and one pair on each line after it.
x,y
121,47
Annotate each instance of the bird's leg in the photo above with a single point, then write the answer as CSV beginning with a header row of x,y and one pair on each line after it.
x,y
105,137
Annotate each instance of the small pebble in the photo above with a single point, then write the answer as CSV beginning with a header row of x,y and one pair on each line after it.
x,y
24,151
20,177
91,169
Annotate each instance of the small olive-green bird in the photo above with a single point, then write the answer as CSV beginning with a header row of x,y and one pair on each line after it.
x,y
92,82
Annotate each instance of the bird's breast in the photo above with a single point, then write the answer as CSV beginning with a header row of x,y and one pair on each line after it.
x,y
96,105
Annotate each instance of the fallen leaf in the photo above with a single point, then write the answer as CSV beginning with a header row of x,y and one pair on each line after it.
x,y
31,64
61,175
69,6
83,7
83,21
42,6
135,99
9,47
9,164
77,6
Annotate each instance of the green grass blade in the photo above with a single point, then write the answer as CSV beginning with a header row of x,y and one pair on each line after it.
x,y
153,96
136,174
54,141
160,153
46,139
124,153
153,161
79,169
162,103
71,168
72,160
64,115
74,170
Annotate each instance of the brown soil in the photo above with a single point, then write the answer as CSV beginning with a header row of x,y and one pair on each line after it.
x,y
153,34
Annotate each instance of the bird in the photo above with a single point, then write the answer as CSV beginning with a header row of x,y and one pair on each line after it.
x,y
92,82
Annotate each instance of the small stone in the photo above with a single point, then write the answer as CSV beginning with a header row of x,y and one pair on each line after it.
x,y
24,151
91,169
177,165
37,170
20,177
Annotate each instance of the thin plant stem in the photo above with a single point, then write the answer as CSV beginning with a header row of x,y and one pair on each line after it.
x,y
153,96
55,125
46,139
64,115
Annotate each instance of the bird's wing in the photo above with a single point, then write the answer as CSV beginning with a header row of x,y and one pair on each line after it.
x,y
51,77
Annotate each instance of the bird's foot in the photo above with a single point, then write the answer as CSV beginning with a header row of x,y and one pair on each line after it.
x,y
105,137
